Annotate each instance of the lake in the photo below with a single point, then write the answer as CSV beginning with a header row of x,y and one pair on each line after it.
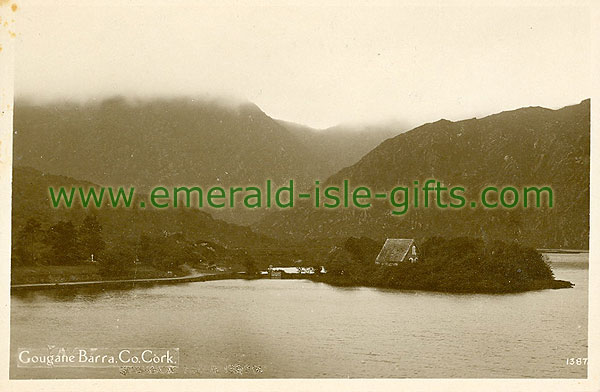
x,y
297,329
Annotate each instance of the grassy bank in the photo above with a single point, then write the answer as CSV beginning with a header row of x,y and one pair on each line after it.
x,y
76,273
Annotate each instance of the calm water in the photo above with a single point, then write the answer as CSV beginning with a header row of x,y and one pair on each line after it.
x,y
293,328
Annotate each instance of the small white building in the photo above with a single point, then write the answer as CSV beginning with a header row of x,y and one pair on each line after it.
x,y
276,272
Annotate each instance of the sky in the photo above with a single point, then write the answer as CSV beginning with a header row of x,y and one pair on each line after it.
x,y
314,65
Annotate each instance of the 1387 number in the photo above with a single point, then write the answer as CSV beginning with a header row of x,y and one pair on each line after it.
x,y
577,361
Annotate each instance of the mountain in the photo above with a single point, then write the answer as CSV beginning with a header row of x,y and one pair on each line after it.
x,y
180,141
524,147
343,145
145,143
209,142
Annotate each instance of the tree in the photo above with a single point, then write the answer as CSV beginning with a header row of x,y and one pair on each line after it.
x,y
363,250
29,247
167,252
64,243
339,261
250,265
90,237
117,262
145,253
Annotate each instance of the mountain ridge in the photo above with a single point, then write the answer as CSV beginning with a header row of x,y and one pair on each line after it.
x,y
178,141
526,146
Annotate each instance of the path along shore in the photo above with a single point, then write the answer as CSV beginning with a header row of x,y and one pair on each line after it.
x,y
180,279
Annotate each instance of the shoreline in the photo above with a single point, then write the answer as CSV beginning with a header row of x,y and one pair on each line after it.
x,y
537,285
563,251
120,282
555,284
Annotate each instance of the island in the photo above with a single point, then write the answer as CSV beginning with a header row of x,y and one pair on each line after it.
x,y
458,265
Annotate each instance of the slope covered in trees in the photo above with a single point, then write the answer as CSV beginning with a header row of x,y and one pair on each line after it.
x,y
166,240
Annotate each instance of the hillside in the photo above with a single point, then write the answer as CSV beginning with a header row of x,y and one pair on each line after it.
x,y
121,226
524,147
179,141
182,141
183,234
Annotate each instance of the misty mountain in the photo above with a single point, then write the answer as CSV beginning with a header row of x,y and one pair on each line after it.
x,y
343,145
180,142
524,147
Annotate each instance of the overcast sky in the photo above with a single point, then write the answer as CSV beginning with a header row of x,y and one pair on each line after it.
x,y
318,66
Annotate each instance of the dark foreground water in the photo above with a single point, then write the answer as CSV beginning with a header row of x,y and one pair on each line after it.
x,y
296,328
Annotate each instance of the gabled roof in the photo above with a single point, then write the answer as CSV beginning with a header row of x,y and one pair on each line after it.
x,y
394,250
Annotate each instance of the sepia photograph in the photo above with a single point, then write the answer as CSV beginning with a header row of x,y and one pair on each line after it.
x,y
359,195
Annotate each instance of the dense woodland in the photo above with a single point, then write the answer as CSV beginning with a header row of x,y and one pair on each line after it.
x,y
454,265
65,243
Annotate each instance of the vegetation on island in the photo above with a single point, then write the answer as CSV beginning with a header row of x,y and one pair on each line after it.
x,y
464,265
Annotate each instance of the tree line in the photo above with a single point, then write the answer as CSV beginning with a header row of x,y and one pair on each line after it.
x,y
61,243
65,243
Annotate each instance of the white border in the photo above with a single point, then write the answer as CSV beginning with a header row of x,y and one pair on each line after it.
x,y
592,383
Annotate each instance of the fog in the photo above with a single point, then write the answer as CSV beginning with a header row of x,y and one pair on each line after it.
x,y
313,65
